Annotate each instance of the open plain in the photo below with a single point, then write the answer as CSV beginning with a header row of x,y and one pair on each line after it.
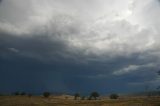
x,y
69,101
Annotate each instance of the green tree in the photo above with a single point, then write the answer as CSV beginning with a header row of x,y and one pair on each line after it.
x,y
114,96
16,93
83,98
23,93
94,95
76,95
46,94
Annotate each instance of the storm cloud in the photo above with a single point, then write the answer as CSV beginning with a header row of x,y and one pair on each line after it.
x,y
97,42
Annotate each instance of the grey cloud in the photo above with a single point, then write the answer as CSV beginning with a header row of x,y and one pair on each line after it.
x,y
14,50
132,68
104,37
32,46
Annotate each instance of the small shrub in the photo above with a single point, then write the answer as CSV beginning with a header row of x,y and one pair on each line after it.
x,y
89,98
1,94
76,95
94,95
23,93
83,98
29,95
16,93
114,96
46,94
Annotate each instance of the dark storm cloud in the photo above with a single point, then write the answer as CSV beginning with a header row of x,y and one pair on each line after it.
x,y
30,46
65,46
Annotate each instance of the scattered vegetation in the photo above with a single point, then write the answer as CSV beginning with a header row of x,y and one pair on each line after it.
x,y
83,98
46,94
19,93
94,95
16,93
22,93
76,95
114,96
61,101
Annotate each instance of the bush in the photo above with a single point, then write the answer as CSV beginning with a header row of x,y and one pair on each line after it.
x,y
23,93
114,96
83,98
46,94
1,94
94,95
89,98
16,93
76,95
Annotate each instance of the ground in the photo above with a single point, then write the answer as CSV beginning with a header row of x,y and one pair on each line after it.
x,y
68,101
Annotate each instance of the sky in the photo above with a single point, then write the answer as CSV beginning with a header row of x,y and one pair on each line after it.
x,y
109,46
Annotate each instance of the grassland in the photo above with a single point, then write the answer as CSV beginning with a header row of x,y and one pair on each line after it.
x,y
63,101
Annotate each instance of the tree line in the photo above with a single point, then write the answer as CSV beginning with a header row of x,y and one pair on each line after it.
x,y
77,96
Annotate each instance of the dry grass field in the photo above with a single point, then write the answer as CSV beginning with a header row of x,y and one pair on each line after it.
x,y
63,101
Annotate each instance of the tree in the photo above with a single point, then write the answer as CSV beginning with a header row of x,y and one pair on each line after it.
x,y
23,93
46,94
83,98
94,95
89,98
76,95
16,93
114,96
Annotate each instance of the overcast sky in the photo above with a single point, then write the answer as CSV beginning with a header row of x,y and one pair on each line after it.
x,y
79,45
